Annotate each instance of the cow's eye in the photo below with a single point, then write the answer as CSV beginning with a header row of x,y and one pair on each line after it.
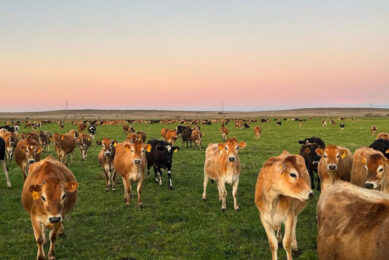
x,y
43,198
381,170
337,157
132,150
365,168
325,156
293,175
63,196
237,148
226,148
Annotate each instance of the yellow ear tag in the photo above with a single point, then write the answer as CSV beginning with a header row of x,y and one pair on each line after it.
x,y
51,139
35,195
387,151
175,150
343,155
62,137
114,144
88,139
363,160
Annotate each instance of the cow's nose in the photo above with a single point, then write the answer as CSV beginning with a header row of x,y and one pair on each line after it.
x,y
54,220
369,185
231,159
84,145
332,167
31,161
311,195
137,161
107,154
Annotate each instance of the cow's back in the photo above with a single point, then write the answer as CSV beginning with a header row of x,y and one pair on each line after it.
x,y
68,143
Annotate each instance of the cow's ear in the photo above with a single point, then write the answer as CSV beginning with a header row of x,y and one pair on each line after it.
x,y
220,146
343,153
148,147
127,147
363,159
242,145
319,152
35,188
114,143
300,142
71,186
176,148
386,151
307,150
98,142
38,150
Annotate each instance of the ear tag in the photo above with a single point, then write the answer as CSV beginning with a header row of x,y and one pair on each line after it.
x,y
343,155
127,149
88,139
387,151
62,137
35,195
175,150
114,144
363,160
51,139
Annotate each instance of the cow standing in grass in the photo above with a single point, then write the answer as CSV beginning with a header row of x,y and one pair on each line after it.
x,y
84,142
106,157
27,152
3,161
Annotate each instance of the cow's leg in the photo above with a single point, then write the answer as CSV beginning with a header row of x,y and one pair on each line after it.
x,y
279,235
234,192
107,178
113,180
318,183
169,178
60,231
148,170
205,183
4,164
156,174
293,238
286,242
139,190
312,179
71,157
24,171
222,193
127,190
39,234
271,237
53,238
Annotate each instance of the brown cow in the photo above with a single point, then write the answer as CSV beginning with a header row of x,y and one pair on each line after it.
x,y
335,164
224,131
382,136
49,193
373,129
171,136
196,138
163,132
353,223
31,136
81,127
27,152
84,141
133,137
106,157
377,168
281,193
130,163
74,133
11,141
223,165
358,173
143,135
64,145
257,131
45,138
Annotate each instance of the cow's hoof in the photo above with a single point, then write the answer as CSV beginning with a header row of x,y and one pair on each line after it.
x,y
113,189
62,235
170,187
237,209
106,189
223,210
140,206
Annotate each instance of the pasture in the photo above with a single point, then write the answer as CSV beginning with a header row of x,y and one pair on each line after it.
x,y
174,224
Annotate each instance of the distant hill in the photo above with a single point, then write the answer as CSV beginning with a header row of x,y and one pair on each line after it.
x,y
170,114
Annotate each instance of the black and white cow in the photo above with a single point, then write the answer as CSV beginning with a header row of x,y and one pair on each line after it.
x,y
8,128
180,128
3,161
341,126
92,131
161,157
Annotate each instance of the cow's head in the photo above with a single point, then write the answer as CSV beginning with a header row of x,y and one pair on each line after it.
x,y
308,151
137,150
375,168
231,148
52,195
166,151
32,152
108,147
331,156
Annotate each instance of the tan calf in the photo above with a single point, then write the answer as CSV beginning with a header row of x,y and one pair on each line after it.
x,y
224,132
49,193
373,129
163,132
11,141
27,152
106,157
222,164
171,136
84,141
130,163
281,193
358,173
257,131
196,138
353,223
64,145
335,164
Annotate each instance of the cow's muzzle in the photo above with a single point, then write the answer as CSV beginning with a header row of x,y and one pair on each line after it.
x,y
31,161
54,220
231,159
137,161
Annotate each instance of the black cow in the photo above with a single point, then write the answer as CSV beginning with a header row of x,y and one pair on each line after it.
x,y
381,145
180,128
314,140
3,161
246,125
279,123
92,131
161,157
341,126
186,137
8,128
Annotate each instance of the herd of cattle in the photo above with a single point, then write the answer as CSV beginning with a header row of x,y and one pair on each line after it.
x,y
352,211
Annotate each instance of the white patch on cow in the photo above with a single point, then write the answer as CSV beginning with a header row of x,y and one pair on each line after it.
x,y
168,147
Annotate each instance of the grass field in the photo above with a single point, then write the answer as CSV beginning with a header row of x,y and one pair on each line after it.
x,y
174,224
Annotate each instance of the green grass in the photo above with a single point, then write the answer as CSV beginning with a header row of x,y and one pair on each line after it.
x,y
173,224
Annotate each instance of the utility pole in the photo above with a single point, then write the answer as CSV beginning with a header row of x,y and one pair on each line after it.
x,y
66,104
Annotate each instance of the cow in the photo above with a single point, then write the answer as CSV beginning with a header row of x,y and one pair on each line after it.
x,y
74,133
3,161
133,137
45,138
196,138
49,194
27,152
308,152
130,163
224,131
313,140
171,136
161,157
164,132
324,123
31,136
106,157
381,145
257,131
186,136
60,124
342,125
353,223
222,164
300,124
358,174
281,193
84,141
142,135
180,128
92,131
382,136
8,128
245,125
238,125
279,123
335,164
81,127
377,168
64,145
373,129
11,141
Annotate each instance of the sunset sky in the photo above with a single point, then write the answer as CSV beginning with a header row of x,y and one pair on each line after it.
x,y
193,55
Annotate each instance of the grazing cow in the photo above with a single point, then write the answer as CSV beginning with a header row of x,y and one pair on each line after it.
x,y
381,145
308,152
313,140
130,163
353,223
382,136
64,145
358,173
92,131
196,138
377,168
45,138
126,128
373,129
341,126
186,136
3,161
238,125
161,157
257,131
171,136
223,165
324,123
224,132
84,141
49,193
281,193
27,152
106,157
333,122
142,135
279,123
164,132
11,141
335,164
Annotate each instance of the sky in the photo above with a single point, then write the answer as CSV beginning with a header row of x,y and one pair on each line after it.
x,y
193,55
